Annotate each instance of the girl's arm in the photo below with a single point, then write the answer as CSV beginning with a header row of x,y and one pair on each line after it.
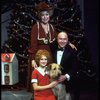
x,y
51,85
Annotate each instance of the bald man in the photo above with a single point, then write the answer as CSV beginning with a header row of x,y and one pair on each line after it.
x,y
64,55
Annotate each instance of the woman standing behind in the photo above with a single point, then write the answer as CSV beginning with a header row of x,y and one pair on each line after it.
x,y
40,80
42,34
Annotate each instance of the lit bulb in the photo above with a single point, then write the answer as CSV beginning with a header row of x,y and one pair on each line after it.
x,y
71,9
89,70
71,20
23,13
20,45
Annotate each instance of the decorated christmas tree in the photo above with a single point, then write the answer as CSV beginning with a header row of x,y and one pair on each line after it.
x,y
66,17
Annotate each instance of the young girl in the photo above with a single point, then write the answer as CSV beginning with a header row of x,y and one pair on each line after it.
x,y
40,80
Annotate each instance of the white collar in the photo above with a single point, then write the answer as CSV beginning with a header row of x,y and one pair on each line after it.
x,y
41,70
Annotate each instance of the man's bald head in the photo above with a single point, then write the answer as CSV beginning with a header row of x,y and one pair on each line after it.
x,y
62,39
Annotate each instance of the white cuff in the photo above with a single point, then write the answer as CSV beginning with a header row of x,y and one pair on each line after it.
x,y
34,81
67,76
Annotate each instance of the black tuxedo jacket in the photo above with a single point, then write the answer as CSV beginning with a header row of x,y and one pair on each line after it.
x,y
69,60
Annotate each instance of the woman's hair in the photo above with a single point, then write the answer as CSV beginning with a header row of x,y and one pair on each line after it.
x,y
40,53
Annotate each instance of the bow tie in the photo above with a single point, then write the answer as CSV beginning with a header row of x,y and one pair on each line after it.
x,y
60,49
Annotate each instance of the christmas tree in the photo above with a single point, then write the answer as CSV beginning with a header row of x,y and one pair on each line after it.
x,y
66,17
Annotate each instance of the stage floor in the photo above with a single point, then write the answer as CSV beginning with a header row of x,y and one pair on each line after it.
x,y
19,92
16,95
24,95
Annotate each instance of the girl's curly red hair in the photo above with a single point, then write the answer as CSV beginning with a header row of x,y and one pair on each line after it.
x,y
40,53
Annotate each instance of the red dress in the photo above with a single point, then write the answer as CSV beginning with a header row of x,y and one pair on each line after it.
x,y
42,80
39,39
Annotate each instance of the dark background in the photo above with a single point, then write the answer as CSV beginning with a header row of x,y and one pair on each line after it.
x,y
91,26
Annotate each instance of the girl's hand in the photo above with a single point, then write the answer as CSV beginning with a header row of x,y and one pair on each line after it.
x,y
34,64
53,84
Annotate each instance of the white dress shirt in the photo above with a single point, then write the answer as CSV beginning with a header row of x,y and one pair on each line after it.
x,y
59,57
